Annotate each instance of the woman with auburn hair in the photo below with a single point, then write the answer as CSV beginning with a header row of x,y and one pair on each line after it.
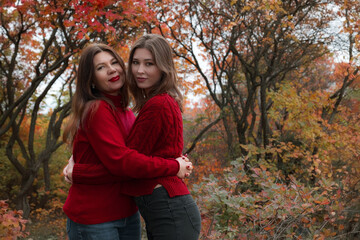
x,y
165,203
97,130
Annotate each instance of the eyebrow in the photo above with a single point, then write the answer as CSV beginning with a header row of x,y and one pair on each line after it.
x,y
112,59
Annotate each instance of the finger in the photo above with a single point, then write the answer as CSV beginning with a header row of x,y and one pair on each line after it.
x,y
65,170
184,158
66,179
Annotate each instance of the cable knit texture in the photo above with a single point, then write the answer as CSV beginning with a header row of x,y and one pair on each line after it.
x,y
158,131
100,144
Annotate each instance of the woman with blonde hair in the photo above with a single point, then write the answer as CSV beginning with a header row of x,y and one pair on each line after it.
x,y
165,203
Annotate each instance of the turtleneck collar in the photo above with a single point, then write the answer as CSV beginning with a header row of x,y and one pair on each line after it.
x,y
116,100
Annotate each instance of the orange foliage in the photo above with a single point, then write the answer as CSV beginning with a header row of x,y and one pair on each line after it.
x,y
11,223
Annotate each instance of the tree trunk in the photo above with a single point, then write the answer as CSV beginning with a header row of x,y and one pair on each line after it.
x,y
229,139
45,197
22,201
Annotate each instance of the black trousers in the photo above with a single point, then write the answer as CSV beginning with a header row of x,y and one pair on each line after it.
x,y
166,218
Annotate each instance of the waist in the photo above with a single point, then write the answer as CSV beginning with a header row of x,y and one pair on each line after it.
x,y
89,196
174,186
98,207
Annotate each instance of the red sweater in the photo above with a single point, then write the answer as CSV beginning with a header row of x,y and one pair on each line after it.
x,y
100,142
157,131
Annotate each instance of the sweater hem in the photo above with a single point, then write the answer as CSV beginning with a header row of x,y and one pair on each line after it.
x,y
97,220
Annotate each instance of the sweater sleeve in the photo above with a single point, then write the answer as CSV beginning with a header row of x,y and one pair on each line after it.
x,y
107,140
93,174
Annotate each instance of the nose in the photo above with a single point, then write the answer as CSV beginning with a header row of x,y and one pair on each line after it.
x,y
140,68
111,69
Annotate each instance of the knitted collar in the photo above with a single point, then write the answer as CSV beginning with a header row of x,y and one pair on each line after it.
x,y
116,100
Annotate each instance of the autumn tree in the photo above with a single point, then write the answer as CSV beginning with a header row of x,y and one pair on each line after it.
x,y
348,46
39,46
251,46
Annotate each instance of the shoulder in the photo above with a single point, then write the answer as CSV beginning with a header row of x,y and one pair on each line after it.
x,y
160,106
96,109
95,106
161,101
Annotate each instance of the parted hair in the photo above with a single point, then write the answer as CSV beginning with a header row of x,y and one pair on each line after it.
x,y
163,57
86,96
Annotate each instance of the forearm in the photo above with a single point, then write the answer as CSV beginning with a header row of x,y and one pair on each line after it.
x,y
93,174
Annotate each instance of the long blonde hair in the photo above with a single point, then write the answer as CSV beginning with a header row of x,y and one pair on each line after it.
x,y
162,54
85,95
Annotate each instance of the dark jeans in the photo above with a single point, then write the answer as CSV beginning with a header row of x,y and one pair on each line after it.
x,y
123,229
166,218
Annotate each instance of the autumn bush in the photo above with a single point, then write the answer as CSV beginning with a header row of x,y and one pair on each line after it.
x,y
12,225
273,210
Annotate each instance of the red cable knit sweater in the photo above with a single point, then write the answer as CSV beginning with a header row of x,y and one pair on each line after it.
x,y
157,131
101,143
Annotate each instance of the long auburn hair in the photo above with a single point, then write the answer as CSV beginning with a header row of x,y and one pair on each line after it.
x,y
162,54
85,96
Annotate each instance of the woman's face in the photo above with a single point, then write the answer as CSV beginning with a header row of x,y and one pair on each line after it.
x,y
109,76
144,69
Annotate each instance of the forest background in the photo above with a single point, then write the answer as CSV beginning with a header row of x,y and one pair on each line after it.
x,y
272,126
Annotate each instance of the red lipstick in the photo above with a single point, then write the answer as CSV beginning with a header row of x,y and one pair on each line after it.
x,y
114,79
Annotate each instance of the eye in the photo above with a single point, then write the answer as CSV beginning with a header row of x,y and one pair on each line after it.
x,y
99,68
149,64
115,62
135,62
